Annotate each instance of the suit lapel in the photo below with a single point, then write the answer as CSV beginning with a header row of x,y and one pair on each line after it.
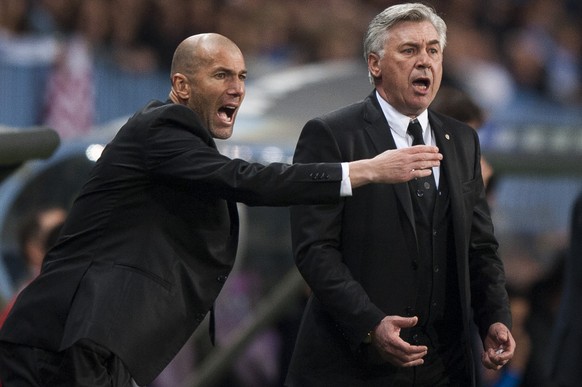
x,y
450,171
449,166
379,131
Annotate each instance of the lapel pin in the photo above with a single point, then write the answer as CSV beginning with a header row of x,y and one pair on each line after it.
x,y
447,136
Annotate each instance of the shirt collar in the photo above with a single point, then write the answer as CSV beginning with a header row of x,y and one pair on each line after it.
x,y
399,122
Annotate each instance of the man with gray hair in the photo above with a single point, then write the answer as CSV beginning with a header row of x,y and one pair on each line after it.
x,y
398,270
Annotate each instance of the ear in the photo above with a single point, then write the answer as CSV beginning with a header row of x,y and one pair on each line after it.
x,y
374,65
181,86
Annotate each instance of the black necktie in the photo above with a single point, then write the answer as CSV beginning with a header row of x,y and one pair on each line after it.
x,y
415,130
422,188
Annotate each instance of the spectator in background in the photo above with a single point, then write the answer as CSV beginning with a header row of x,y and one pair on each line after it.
x,y
36,235
132,47
483,58
56,17
544,296
456,103
565,67
565,346
20,43
13,20
69,103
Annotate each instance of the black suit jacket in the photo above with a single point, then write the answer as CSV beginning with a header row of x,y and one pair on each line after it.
x,y
151,239
358,256
566,343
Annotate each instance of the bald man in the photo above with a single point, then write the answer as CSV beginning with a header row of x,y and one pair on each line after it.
x,y
152,237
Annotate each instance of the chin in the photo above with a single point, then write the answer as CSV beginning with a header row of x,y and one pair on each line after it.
x,y
221,134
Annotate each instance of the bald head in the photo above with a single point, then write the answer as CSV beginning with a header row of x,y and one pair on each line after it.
x,y
198,50
208,76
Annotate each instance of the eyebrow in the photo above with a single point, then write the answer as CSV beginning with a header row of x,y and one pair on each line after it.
x,y
230,71
415,44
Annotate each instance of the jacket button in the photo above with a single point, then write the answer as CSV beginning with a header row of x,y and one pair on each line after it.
x,y
319,175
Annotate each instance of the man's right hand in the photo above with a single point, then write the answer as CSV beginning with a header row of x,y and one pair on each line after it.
x,y
386,339
395,165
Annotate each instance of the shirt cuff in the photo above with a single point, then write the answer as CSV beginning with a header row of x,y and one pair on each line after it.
x,y
346,186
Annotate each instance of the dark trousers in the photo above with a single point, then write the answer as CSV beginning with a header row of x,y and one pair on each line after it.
x,y
85,364
437,371
444,366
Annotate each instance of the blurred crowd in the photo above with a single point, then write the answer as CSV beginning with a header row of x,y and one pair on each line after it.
x,y
498,50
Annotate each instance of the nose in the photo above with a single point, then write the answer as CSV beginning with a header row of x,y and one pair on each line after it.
x,y
237,87
424,60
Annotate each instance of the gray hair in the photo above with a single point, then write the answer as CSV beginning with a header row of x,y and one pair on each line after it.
x,y
379,27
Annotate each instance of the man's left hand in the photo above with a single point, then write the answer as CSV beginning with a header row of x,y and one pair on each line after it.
x,y
499,347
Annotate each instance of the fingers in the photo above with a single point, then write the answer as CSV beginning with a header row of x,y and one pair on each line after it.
x,y
395,350
395,165
423,149
424,158
499,347
403,322
402,354
423,172
495,359
409,355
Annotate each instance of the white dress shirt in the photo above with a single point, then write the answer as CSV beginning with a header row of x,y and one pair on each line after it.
x,y
399,125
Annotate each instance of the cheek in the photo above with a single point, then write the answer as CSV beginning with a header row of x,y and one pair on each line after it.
x,y
201,106
437,78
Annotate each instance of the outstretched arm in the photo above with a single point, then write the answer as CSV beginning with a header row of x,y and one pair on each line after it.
x,y
395,166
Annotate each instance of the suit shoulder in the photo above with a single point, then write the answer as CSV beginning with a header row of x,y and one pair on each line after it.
x,y
168,115
448,120
452,124
168,110
341,114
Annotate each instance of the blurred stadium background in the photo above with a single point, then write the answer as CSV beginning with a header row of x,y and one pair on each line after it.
x,y
82,67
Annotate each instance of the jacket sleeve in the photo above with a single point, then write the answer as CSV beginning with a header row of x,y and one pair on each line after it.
x,y
489,298
180,150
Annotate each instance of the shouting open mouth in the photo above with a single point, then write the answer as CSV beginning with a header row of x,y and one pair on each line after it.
x,y
227,112
421,84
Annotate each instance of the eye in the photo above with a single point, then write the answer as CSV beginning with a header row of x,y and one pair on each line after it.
x,y
243,77
220,75
433,51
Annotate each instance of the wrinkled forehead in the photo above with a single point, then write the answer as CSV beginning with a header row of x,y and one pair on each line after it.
x,y
226,56
421,30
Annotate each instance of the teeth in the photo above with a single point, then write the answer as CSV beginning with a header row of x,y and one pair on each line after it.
x,y
226,113
224,116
